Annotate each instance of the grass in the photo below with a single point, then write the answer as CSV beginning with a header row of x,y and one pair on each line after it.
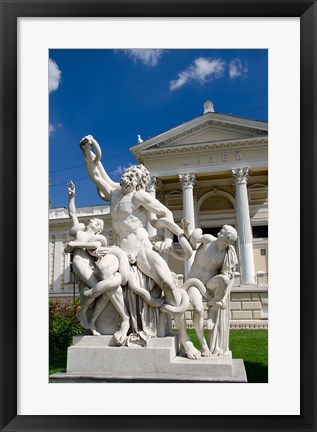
x,y
252,347
249,345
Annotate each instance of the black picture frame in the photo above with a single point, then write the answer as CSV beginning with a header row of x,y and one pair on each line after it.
x,y
10,11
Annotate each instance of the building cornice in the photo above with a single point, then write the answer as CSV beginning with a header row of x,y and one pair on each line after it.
x,y
89,211
202,169
206,146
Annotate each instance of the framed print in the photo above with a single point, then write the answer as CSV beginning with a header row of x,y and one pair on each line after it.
x,y
288,30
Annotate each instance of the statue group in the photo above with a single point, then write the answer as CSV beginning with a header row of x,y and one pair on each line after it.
x,y
132,274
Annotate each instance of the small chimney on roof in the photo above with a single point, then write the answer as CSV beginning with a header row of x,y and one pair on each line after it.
x,y
208,107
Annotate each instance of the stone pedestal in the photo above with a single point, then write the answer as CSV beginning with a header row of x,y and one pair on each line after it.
x,y
96,359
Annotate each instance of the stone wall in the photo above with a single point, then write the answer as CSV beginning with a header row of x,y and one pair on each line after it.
x,y
248,307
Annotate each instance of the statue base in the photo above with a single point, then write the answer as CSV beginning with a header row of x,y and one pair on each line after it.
x,y
96,359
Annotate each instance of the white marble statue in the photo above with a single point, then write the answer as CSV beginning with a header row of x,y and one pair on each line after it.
x,y
211,278
98,268
131,210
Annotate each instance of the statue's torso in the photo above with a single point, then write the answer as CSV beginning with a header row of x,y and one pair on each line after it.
x,y
208,262
129,222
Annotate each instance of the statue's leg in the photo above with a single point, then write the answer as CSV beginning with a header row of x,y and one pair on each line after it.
x,y
111,283
88,279
110,278
198,318
108,267
116,298
101,303
191,351
217,285
154,266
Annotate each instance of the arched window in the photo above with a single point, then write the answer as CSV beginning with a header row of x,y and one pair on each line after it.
x,y
216,200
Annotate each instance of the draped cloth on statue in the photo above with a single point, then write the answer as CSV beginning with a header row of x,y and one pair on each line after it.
x,y
218,337
230,261
144,318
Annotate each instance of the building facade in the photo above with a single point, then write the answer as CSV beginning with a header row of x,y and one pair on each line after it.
x,y
212,169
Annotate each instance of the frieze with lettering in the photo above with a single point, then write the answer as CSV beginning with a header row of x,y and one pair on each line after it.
x,y
212,158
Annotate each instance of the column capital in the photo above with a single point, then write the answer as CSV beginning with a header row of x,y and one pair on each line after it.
x,y
151,187
240,175
187,180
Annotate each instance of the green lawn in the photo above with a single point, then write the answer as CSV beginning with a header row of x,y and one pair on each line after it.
x,y
249,345
252,347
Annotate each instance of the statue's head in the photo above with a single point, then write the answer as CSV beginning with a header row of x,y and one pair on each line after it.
x,y
228,233
96,225
136,176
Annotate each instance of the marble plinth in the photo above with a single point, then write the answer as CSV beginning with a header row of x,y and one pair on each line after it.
x,y
96,359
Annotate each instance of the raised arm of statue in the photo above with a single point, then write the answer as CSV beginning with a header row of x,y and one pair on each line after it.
x,y
195,237
75,224
95,168
71,202
71,207
152,204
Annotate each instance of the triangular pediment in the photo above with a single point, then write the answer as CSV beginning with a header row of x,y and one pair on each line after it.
x,y
208,129
209,134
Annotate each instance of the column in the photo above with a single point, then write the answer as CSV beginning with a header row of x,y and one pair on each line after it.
x,y
67,269
57,263
151,189
244,226
195,195
188,181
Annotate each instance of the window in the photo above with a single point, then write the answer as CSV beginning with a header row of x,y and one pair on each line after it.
x,y
212,230
260,231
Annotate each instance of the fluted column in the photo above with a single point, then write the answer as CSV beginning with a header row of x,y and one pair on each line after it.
x,y
151,189
195,195
244,226
67,269
188,181
57,281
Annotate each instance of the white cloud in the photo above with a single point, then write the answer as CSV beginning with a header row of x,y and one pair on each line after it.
x,y
119,170
237,69
54,75
53,128
202,69
149,57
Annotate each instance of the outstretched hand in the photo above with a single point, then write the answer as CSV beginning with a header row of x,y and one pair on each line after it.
x,y
86,140
86,144
163,247
71,189
184,223
185,226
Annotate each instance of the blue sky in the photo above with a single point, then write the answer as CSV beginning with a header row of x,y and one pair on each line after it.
x,y
115,95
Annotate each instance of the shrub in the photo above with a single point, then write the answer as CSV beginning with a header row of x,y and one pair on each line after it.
x,y
63,324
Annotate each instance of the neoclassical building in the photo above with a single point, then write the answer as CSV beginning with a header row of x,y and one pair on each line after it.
x,y
212,169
